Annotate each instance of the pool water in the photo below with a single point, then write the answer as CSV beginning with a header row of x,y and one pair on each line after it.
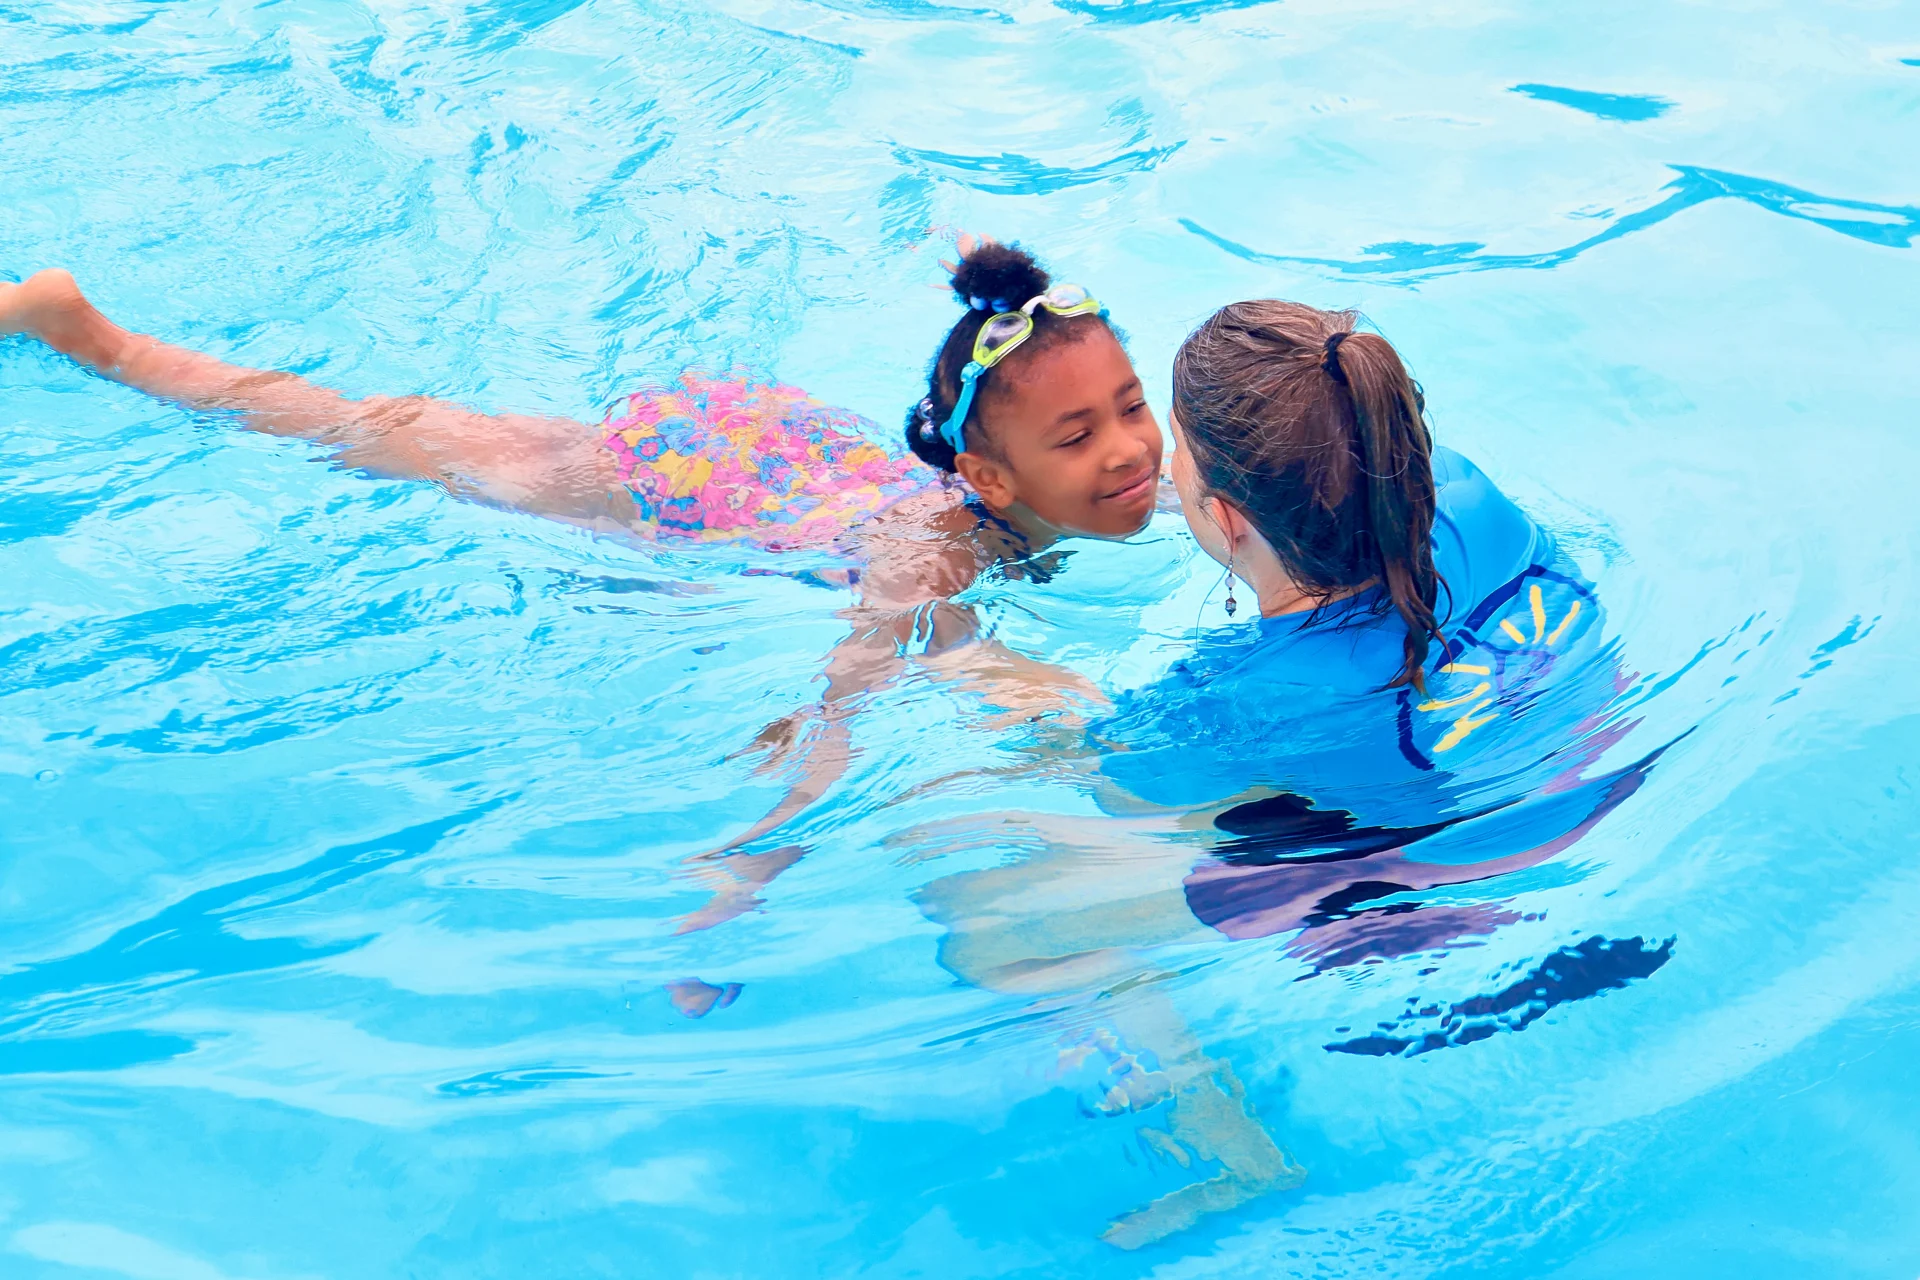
x,y
344,827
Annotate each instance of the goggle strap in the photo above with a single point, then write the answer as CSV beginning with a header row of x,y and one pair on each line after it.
x,y
954,429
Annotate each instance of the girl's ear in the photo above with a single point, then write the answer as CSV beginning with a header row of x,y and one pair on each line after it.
x,y
990,479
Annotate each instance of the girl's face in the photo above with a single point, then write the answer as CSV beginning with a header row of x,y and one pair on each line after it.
x,y
1073,440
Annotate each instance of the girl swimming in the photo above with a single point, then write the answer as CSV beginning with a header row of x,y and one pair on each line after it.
x,y
1033,427
1031,401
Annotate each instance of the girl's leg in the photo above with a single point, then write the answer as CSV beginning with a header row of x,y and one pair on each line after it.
x,y
550,466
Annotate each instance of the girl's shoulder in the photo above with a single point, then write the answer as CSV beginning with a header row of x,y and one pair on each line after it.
x,y
918,549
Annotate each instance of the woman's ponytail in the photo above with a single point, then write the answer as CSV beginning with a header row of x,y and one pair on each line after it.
x,y
1396,458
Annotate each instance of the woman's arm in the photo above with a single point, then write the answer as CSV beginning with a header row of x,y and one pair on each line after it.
x,y
549,466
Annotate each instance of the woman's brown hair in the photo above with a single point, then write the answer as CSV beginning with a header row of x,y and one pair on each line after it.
x,y
1318,435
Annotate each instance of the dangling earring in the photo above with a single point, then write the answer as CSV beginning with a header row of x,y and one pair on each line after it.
x,y
1232,604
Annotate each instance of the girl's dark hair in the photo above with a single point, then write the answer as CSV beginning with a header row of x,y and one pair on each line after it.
x,y
1319,435
991,279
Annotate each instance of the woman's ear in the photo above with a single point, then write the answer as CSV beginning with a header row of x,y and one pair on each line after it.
x,y
1228,520
989,479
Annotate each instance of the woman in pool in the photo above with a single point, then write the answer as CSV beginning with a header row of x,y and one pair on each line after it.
x,y
1411,711
1424,663
1031,401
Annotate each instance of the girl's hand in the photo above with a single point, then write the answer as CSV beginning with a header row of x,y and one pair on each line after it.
x,y
783,741
1019,689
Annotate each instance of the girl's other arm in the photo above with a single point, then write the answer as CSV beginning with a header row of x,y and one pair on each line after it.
x,y
549,466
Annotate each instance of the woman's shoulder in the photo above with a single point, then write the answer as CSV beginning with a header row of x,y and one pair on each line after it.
x,y
1462,489
1481,537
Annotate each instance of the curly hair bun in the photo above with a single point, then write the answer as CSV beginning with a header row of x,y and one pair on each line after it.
x,y
998,277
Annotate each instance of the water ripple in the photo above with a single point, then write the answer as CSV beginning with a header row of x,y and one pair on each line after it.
x,y
1138,12
1011,174
1406,261
1607,106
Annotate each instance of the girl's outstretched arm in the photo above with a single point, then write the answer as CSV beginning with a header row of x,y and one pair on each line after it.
x,y
549,466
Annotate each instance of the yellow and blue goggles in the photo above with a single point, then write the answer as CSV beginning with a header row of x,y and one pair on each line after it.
x,y
1000,335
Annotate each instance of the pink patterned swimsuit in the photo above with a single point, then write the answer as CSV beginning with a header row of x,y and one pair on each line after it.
x,y
721,460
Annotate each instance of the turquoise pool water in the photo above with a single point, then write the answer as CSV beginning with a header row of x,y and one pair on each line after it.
x,y
343,826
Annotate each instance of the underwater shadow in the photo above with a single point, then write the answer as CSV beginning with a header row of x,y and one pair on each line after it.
x,y
1580,972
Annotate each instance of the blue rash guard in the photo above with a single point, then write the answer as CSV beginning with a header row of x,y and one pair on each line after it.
x,y
1482,770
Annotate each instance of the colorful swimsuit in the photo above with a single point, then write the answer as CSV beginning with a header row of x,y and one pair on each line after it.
x,y
721,460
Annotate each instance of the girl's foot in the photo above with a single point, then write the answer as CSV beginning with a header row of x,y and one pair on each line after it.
x,y
47,302
696,999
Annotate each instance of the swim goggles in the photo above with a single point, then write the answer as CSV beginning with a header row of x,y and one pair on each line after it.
x,y
1000,335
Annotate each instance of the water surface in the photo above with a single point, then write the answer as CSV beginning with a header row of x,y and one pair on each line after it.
x,y
344,824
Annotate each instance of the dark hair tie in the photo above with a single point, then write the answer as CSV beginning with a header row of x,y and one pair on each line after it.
x,y
1331,361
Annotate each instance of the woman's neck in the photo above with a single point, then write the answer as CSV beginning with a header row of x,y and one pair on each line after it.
x,y
1283,597
1251,558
